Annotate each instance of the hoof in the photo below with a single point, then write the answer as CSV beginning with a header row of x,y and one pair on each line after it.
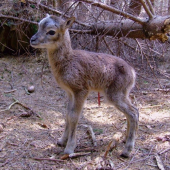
x,y
123,155
68,151
61,143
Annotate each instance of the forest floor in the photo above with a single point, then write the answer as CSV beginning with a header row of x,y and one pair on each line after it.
x,y
31,123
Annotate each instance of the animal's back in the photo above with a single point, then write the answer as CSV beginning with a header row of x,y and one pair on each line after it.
x,y
96,70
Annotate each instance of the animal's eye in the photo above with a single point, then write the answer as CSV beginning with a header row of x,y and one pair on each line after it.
x,y
51,32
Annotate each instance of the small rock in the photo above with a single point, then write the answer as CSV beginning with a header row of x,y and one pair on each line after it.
x,y
31,89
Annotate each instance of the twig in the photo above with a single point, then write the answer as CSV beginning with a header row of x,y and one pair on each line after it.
x,y
146,156
69,8
139,45
19,19
80,31
75,155
166,150
9,107
150,6
26,107
163,90
146,9
108,149
91,133
159,162
48,159
86,150
108,46
131,161
147,107
114,10
10,91
113,143
57,12
5,45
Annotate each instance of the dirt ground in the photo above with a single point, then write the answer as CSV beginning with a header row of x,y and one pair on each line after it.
x,y
31,123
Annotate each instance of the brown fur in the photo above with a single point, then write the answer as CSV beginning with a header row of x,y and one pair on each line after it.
x,y
79,72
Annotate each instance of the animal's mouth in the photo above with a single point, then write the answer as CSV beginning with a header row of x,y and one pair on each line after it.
x,y
36,44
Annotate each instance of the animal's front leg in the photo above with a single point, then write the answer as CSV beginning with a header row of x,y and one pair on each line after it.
x,y
73,117
63,140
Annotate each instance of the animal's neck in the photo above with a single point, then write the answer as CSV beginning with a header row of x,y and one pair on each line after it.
x,y
60,56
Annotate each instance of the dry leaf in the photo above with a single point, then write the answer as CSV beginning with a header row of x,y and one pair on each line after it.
x,y
43,125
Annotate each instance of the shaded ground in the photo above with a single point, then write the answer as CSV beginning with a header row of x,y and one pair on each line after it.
x,y
24,138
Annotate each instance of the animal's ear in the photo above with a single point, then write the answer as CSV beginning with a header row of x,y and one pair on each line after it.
x,y
68,23
47,15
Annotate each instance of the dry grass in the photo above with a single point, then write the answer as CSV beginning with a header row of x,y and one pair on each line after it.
x,y
22,139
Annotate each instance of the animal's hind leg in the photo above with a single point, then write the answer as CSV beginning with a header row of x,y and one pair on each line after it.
x,y
122,102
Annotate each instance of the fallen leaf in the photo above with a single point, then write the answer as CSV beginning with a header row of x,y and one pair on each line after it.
x,y
43,125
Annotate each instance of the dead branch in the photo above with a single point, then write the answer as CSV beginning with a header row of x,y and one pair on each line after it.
x,y
91,133
80,31
113,143
9,107
142,53
10,91
163,90
146,9
166,150
107,45
75,155
57,12
150,6
114,10
48,159
159,162
16,18
23,105
86,150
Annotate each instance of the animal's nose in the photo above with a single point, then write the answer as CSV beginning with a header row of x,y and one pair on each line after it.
x,y
33,38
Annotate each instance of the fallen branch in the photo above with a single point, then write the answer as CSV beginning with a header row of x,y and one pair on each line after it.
x,y
113,143
86,150
159,162
10,91
91,133
109,148
9,107
23,105
48,159
163,90
74,155
166,150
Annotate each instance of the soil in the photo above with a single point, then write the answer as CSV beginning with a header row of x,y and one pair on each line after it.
x,y
31,123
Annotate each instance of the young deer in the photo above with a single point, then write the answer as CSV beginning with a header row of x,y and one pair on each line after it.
x,y
79,72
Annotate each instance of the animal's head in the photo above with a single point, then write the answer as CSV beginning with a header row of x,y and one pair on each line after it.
x,y
51,31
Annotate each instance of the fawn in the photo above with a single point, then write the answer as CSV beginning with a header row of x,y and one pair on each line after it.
x,y
79,71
